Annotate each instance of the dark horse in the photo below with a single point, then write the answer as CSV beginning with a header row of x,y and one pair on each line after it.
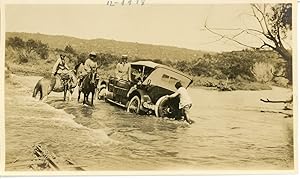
x,y
89,85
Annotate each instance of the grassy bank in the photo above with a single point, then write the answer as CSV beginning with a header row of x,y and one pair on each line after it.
x,y
44,69
26,54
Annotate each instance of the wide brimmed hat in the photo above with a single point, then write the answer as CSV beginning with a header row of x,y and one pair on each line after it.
x,y
93,54
124,56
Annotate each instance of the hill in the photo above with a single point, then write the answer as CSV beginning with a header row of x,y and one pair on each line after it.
x,y
134,50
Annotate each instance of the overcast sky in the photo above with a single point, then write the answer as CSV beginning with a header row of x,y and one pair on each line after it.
x,y
175,25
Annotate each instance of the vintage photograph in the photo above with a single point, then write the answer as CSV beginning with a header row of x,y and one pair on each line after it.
x,y
133,85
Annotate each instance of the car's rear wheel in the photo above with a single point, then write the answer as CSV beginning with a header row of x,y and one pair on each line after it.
x,y
134,105
163,107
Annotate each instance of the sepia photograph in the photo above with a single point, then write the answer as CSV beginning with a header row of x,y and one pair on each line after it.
x,y
146,87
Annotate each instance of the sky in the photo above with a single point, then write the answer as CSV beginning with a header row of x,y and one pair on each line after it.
x,y
174,25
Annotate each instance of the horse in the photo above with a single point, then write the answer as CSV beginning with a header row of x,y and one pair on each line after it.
x,y
46,85
89,85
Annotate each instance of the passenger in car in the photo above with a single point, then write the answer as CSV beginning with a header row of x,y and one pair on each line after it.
x,y
185,102
123,69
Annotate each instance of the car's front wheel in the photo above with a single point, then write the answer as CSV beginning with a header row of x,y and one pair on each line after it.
x,y
134,105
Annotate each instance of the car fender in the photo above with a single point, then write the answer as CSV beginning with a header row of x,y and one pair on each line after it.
x,y
143,96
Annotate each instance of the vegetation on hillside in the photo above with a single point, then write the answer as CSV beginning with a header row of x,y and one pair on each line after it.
x,y
244,70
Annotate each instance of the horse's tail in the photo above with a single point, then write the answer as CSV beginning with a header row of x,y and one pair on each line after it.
x,y
37,89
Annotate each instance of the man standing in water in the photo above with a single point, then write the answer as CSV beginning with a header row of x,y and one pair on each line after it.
x,y
185,102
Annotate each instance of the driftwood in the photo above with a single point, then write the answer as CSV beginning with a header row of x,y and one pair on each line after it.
x,y
271,101
44,160
288,103
43,153
279,112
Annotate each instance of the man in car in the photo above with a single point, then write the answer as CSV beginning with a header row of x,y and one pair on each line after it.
x,y
185,102
123,69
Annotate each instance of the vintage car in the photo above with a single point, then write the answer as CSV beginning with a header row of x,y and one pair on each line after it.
x,y
145,91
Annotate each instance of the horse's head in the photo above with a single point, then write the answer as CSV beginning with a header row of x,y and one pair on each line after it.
x,y
93,78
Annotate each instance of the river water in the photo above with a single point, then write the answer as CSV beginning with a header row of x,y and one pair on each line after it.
x,y
230,132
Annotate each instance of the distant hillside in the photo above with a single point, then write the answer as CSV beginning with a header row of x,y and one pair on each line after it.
x,y
134,50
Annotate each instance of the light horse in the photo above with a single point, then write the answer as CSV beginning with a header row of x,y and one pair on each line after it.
x,y
89,85
46,85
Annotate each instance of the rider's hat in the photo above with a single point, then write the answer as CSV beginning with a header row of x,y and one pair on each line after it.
x,y
62,55
93,54
124,56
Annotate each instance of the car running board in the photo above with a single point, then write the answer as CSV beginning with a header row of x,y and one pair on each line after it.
x,y
119,104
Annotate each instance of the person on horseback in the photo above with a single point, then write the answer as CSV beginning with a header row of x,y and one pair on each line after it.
x,y
89,66
60,71
60,68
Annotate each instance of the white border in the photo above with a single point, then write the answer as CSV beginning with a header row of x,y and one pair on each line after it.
x,y
138,173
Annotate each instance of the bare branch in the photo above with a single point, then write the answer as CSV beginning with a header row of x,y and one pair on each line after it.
x,y
263,16
205,43
258,20
229,38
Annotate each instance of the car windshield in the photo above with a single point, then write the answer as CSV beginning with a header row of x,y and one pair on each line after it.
x,y
166,78
139,72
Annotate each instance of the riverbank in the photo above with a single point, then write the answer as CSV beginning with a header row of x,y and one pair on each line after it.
x,y
44,69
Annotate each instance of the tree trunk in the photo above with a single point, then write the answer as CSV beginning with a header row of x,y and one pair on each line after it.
x,y
287,56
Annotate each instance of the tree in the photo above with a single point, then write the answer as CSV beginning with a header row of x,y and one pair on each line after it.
x,y
70,49
275,22
15,42
38,47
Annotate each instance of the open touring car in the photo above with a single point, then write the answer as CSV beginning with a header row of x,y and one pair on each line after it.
x,y
145,92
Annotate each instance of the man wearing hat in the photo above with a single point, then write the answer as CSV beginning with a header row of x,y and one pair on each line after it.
x,y
60,71
60,68
123,69
89,66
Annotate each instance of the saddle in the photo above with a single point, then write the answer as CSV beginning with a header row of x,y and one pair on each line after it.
x,y
60,81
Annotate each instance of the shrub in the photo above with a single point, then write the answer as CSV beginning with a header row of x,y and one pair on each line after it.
x,y
262,71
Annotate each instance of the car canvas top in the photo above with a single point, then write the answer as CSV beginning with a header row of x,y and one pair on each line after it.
x,y
157,65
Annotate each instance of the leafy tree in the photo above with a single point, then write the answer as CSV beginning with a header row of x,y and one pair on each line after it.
x,y
275,22
15,42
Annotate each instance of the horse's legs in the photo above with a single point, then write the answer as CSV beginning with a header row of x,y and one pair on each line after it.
x,y
69,95
93,93
65,92
85,99
78,95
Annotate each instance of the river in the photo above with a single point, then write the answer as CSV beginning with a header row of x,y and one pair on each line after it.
x,y
230,132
